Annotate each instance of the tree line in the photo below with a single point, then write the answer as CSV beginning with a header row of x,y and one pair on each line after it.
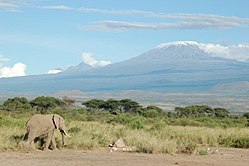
x,y
201,110
39,103
43,103
122,106
130,106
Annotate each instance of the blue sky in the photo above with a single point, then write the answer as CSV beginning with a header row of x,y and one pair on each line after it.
x,y
41,35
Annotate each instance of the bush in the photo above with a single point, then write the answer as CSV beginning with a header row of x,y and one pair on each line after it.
x,y
17,104
246,115
136,123
152,113
45,103
201,111
236,142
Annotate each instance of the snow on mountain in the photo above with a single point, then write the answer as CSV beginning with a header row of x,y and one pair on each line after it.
x,y
177,44
170,67
178,56
238,52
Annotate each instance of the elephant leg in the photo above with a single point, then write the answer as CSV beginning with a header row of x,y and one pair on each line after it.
x,y
31,139
49,138
54,143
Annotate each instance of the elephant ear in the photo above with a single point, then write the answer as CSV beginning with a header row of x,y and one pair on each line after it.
x,y
56,121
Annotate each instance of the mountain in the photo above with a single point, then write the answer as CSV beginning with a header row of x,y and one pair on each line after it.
x,y
77,69
169,67
235,88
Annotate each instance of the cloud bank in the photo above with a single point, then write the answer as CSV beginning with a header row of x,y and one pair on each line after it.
x,y
9,5
14,5
15,71
170,21
167,20
88,59
54,71
113,25
60,7
238,52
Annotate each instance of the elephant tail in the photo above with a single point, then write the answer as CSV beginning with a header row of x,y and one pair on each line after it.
x,y
25,136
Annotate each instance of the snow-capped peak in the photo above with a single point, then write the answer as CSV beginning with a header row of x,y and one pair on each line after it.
x,y
177,44
238,52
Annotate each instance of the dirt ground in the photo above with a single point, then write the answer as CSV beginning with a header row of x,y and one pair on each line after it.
x,y
224,156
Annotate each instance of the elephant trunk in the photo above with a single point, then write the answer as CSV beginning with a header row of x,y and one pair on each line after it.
x,y
63,134
62,138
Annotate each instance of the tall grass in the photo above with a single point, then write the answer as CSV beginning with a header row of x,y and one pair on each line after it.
x,y
168,139
147,138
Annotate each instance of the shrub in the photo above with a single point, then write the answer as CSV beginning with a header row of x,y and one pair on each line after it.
x,y
136,123
45,103
236,142
151,113
16,104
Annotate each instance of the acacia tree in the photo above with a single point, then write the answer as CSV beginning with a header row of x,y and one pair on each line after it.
x,y
201,110
126,105
221,112
16,103
246,115
44,103
152,111
93,104
110,105
129,105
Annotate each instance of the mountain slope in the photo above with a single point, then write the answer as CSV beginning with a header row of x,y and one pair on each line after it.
x,y
169,67
78,69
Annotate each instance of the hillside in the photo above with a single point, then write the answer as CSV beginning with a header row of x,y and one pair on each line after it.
x,y
169,67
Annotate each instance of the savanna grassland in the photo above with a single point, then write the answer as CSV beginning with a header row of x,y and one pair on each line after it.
x,y
189,130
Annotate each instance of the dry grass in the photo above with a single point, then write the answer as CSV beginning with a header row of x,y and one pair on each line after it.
x,y
166,139
169,139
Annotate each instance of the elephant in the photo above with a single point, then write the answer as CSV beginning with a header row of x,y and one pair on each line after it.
x,y
39,125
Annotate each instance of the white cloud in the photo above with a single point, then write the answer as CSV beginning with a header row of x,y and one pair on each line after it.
x,y
54,71
9,5
16,5
88,59
17,70
171,21
3,58
183,23
13,5
238,52
60,7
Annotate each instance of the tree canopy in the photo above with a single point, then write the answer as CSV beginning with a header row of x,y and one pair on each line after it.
x,y
16,103
45,102
126,105
201,110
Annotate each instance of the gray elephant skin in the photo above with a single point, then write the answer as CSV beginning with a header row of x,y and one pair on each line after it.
x,y
39,125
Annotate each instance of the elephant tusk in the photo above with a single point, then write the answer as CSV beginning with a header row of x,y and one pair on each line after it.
x,y
66,134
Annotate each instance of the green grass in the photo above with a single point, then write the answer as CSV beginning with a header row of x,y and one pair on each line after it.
x,y
146,135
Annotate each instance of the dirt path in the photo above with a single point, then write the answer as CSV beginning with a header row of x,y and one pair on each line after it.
x,y
226,157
